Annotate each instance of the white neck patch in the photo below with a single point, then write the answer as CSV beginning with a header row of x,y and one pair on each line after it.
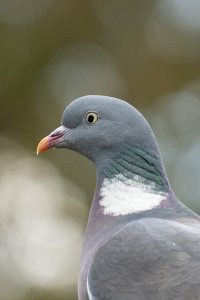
x,y
123,196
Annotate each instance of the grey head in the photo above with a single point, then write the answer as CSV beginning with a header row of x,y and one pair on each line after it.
x,y
114,135
101,126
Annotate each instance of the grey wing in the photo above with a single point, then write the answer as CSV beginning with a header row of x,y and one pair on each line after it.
x,y
150,259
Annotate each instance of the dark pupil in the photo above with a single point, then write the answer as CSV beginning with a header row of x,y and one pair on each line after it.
x,y
90,118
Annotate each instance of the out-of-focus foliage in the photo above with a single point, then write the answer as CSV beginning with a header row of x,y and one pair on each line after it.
x,y
51,52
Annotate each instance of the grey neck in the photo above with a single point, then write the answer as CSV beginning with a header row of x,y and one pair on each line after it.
x,y
136,162
130,161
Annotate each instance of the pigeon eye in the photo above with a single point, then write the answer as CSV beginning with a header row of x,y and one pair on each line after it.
x,y
92,117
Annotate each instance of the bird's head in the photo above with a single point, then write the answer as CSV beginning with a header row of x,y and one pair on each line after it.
x,y
98,126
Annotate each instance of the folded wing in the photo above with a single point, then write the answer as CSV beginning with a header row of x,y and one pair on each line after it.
x,y
149,259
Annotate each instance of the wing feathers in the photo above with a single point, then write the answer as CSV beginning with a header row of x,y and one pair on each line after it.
x,y
148,259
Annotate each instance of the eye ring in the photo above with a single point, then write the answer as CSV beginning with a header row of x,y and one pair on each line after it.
x,y
91,117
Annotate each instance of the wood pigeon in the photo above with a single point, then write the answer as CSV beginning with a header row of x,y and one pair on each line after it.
x,y
141,242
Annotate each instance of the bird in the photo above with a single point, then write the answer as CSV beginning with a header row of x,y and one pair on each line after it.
x,y
141,241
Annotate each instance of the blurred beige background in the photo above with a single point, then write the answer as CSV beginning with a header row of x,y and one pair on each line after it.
x,y
144,51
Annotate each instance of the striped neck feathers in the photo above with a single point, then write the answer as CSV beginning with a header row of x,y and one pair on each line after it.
x,y
134,181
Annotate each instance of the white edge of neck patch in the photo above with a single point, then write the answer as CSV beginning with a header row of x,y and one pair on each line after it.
x,y
123,196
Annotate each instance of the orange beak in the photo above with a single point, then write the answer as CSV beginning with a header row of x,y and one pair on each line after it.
x,y
43,145
52,140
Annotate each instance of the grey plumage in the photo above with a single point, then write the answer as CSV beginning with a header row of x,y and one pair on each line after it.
x,y
141,242
150,259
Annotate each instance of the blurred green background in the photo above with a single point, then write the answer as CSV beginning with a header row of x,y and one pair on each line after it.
x,y
51,52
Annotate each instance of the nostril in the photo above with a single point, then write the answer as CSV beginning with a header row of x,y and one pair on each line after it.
x,y
59,132
55,134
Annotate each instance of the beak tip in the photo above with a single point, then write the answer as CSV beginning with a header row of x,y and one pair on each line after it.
x,y
42,146
51,140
